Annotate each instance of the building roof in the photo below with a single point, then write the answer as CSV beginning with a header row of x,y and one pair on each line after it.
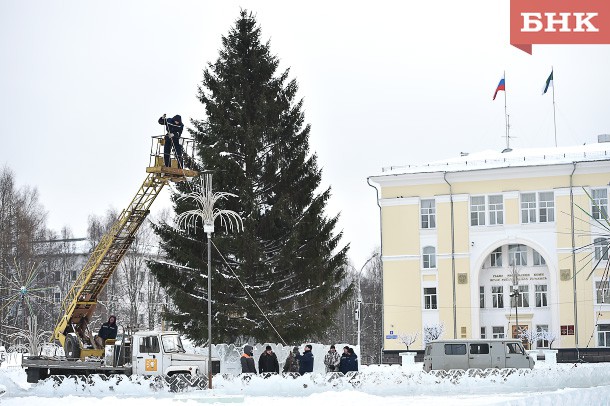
x,y
490,159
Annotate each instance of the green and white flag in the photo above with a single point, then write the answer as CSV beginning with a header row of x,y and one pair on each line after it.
x,y
549,82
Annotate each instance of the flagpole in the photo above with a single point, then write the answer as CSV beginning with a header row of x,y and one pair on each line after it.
x,y
554,121
506,114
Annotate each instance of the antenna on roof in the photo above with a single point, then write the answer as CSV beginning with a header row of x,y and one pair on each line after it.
x,y
508,137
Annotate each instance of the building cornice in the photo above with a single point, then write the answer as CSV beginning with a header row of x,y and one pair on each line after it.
x,y
486,174
399,201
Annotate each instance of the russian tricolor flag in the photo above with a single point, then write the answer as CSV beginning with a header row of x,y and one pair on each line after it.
x,y
501,86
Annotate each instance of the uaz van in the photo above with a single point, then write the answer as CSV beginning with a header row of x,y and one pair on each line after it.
x,y
466,354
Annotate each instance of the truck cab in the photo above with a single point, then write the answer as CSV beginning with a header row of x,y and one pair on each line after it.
x,y
162,353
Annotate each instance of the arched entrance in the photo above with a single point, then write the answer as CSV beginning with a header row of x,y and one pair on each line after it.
x,y
514,285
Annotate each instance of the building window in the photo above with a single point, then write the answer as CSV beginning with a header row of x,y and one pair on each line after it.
x,y
483,333
601,249
517,255
482,297
428,214
496,209
528,207
496,257
497,297
477,211
73,275
429,298
429,257
56,276
497,332
602,293
541,296
603,335
547,207
599,203
141,296
57,297
538,259
542,329
523,299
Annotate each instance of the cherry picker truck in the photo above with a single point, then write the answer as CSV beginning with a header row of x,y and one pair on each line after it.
x,y
142,353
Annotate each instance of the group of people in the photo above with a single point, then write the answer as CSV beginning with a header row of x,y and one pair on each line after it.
x,y
348,361
297,362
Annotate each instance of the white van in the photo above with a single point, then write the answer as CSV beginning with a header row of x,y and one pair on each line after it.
x,y
465,354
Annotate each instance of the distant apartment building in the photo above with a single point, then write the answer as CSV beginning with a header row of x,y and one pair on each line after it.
x,y
478,242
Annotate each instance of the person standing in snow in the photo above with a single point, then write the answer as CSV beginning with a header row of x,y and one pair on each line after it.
x,y
344,362
107,331
268,361
292,364
247,362
349,360
174,129
353,360
331,360
305,360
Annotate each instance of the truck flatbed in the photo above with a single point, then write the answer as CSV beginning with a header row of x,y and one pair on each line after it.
x,y
38,367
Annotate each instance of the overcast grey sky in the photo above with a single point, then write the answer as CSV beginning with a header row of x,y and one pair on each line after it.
x,y
82,84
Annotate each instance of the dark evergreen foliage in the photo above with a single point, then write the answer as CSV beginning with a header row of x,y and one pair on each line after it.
x,y
254,139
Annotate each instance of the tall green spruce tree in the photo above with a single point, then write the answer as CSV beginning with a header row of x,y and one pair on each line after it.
x,y
288,256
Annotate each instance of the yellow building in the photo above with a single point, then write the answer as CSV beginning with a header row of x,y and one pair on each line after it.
x,y
459,237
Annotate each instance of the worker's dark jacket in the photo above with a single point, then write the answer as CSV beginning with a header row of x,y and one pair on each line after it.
x,y
268,363
247,364
305,362
108,331
174,125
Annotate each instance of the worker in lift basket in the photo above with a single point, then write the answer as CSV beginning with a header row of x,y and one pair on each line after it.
x,y
107,331
173,127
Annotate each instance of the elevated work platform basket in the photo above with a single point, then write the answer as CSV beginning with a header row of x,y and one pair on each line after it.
x,y
178,168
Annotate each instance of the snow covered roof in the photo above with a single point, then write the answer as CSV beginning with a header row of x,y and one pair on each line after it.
x,y
490,159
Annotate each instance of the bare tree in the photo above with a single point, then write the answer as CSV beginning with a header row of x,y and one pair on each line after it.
x,y
371,340
22,223
529,335
132,277
433,332
408,338
97,227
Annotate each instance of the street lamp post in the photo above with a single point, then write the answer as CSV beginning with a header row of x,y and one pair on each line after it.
x,y
205,212
208,228
360,296
515,295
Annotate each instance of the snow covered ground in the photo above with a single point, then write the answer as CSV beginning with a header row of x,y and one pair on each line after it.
x,y
562,384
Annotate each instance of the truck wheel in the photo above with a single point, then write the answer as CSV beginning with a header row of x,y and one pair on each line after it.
x,y
71,348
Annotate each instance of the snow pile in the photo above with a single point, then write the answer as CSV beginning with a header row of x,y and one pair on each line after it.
x,y
373,380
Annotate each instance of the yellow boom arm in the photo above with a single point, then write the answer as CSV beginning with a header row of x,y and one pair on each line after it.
x,y
79,304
